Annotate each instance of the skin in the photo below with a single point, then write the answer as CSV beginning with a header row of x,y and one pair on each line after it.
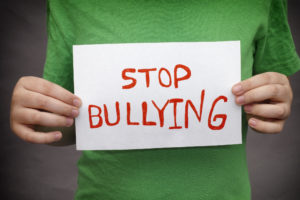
x,y
267,100
37,103
33,96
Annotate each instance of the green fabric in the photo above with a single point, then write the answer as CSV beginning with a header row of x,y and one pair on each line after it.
x,y
178,173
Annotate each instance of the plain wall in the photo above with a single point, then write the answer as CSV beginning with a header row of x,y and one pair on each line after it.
x,y
42,172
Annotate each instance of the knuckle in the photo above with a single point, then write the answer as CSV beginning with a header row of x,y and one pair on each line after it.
x,y
284,78
278,129
249,97
46,87
13,127
280,112
30,78
64,121
256,111
274,90
288,92
68,111
272,74
14,99
291,95
247,84
35,118
267,76
16,116
60,121
262,128
25,79
280,76
43,103
29,138
22,79
16,95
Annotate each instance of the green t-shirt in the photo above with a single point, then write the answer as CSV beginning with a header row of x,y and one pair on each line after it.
x,y
218,172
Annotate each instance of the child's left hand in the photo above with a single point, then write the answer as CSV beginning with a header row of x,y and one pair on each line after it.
x,y
267,99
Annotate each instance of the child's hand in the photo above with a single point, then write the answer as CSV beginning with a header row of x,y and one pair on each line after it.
x,y
36,101
267,99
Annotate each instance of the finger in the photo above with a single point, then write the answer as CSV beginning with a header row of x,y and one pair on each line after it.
x,y
47,88
29,135
274,111
40,101
259,80
274,92
274,126
35,117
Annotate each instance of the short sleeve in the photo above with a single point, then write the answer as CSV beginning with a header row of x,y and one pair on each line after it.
x,y
59,62
276,50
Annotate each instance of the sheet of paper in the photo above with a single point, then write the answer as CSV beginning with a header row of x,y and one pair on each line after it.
x,y
157,95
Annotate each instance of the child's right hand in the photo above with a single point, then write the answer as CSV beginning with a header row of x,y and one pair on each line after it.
x,y
36,101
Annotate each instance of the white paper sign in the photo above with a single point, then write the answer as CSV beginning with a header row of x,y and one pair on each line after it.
x,y
157,95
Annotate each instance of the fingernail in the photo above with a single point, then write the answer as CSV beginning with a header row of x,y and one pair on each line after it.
x,y
237,89
240,99
76,102
57,136
247,108
252,122
75,113
69,122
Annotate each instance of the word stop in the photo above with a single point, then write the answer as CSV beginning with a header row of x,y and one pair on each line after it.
x,y
161,72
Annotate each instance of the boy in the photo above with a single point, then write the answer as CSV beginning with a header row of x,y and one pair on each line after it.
x,y
178,173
